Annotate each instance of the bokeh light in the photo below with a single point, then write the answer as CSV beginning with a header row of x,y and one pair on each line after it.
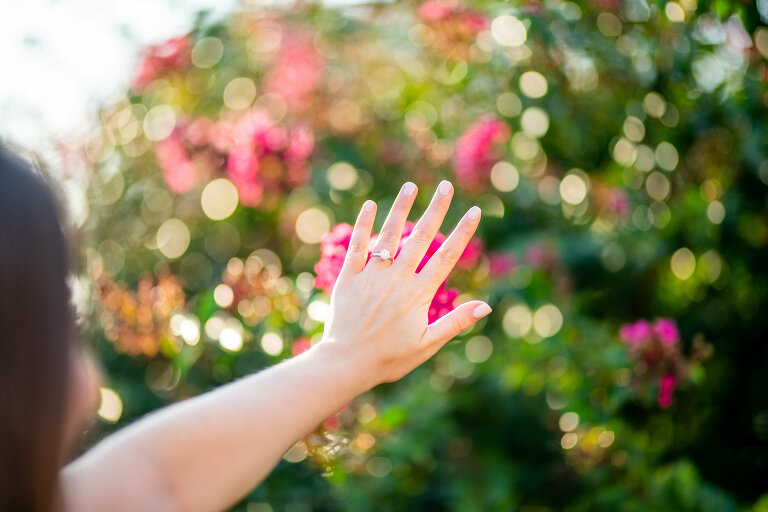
x,y
110,405
219,199
173,238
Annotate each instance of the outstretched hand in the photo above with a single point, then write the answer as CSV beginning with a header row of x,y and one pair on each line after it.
x,y
379,307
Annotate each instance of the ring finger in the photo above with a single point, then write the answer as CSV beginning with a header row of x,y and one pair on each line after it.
x,y
392,230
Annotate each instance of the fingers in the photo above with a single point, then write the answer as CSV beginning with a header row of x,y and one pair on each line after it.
x,y
357,253
445,328
442,262
425,230
392,230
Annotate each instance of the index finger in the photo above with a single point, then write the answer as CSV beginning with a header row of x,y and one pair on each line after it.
x,y
357,252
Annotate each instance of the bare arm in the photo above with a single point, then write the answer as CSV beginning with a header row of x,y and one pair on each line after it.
x,y
207,452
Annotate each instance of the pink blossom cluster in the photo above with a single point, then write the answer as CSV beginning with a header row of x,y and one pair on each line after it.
x,y
258,154
663,329
439,10
656,346
477,150
452,28
263,154
296,71
334,246
501,264
175,160
157,59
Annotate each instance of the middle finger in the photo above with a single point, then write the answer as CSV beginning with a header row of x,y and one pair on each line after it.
x,y
425,230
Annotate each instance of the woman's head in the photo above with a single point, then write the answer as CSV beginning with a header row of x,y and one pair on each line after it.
x,y
36,337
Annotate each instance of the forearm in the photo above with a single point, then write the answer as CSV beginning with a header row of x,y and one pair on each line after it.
x,y
211,450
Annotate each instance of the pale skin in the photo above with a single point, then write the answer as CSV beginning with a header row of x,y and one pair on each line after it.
x,y
206,453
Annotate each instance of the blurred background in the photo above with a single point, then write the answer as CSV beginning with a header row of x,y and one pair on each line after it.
x,y
213,154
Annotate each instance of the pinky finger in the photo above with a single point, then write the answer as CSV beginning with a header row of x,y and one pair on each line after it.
x,y
444,329
357,253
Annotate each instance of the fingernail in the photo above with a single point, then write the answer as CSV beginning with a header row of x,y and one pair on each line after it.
x,y
474,213
481,310
409,188
445,188
368,206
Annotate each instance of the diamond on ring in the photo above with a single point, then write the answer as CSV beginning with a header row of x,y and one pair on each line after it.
x,y
384,254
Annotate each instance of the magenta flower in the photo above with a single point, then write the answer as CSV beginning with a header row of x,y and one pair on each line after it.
x,y
666,389
442,303
471,254
666,330
636,333
333,247
477,150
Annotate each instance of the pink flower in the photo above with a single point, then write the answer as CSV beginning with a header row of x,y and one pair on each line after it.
x,y
332,423
438,10
263,154
173,158
434,10
243,169
477,150
502,264
666,388
474,21
333,247
635,333
471,254
299,346
666,330
170,55
619,202
297,71
442,303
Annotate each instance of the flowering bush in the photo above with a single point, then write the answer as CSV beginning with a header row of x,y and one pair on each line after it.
x,y
617,150
656,349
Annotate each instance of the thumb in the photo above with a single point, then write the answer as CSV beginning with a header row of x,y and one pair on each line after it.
x,y
444,329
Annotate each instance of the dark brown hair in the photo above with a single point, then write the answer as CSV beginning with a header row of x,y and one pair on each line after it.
x,y
36,333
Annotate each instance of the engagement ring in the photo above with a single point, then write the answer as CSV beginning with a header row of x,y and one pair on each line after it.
x,y
383,254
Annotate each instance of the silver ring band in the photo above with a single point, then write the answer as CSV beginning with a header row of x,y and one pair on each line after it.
x,y
384,254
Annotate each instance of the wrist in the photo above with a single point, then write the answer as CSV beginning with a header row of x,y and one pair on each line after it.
x,y
344,363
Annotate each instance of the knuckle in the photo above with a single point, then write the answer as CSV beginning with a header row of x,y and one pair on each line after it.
x,y
446,256
458,325
421,236
355,246
387,237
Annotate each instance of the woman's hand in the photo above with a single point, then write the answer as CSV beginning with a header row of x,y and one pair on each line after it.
x,y
379,309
